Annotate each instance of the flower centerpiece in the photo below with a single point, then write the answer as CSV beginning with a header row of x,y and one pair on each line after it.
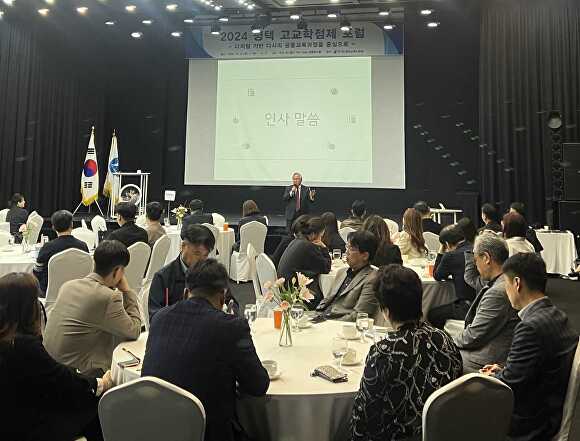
x,y
180,213
286,295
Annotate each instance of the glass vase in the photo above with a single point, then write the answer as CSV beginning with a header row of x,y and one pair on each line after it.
x,y
286,330
179,221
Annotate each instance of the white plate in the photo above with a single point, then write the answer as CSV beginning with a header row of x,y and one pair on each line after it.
x,y
305,324
355,362
276,375
356,337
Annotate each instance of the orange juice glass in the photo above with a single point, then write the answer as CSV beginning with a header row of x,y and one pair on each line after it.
x,y
226,226
277,318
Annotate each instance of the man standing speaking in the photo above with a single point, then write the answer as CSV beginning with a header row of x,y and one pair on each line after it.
x,y
298,198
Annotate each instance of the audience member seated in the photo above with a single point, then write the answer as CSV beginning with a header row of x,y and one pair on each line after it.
x,y
62,224
491,218
331,238
514,232
41,399
387,251
155,231
168,284
468,230
531,236
411,241
353,289
196,346
250,213
295,231
428,223
450,262
540,359
308,255
94,314
490,321
17,215
402,370
128,232
196,215
358,210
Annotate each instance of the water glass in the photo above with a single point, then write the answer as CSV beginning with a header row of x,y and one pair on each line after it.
x,y
250,312
296,312
336,254
339,349
362,323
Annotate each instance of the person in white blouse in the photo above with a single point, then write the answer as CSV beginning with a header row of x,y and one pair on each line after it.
x,y
514,232
410,240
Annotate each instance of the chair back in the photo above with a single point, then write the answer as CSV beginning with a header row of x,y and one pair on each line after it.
x,y
392,226
253,233
98,223
70,264
34,225
431,241
218,220
344,232
158,256
5,226
135,271
4,238
141,220
84,224
216,235
86,235
251,252
151,409
3,214
570,425
144,303
474,407
266,271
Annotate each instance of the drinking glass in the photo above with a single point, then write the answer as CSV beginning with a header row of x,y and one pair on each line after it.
x,y
339,349
250,312
336,254
362,323
296,312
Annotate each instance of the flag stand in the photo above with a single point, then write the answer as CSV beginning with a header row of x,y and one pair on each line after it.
x,y
79,206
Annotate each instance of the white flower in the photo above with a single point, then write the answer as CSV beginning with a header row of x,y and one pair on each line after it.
x,y
303,280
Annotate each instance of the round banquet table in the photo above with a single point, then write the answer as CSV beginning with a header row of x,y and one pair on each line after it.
x,y
559,250
224,245
297,407
12,259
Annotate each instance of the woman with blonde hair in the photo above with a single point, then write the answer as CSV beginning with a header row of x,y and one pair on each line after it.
x,y
411,241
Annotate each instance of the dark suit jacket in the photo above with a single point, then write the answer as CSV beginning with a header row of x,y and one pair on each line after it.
x,y
290,199
16,216
205,351
387,254
304,257
34,387
537,370
493,226
196,219
453,264
532,238
432,226
245,220
129,234
335,242
282,245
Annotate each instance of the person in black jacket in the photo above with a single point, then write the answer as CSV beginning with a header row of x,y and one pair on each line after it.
x,y
491,218
331,238
531,236
298,198
197,216
62,224
450,262
308,255
428,223
128,233
168,284
295,231
41,399
250,213
540,358
387,251
17,215
196,346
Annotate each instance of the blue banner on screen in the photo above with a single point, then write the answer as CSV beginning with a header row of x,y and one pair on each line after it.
x,y
285,41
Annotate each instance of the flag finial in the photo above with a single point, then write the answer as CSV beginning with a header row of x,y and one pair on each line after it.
x,y
114,132
93,129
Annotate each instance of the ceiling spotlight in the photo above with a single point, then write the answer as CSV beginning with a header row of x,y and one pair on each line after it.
x,y
295,17
384,12
1,14
44,11
217,7
188,20
171,7
130,8
8,2
136,34
251,6
426,11
290,2
334,1
176,34
82,10
147,22
388,27
332,15
110,23
241,2
224,19
433,24
50,2
344,25
215,29
256,29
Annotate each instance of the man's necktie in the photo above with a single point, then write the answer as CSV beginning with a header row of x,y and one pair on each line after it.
x,y
298,199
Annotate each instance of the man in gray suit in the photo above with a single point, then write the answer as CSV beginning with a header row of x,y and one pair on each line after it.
x,y
92,315
490,321
353,291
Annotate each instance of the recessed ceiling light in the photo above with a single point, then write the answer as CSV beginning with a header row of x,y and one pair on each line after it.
x,y
295,17
290,2
130,8
215,29
217,7
44,11
82,10
334,1
50,2
171,7
136,34
256,29
8,2
426,11
224,19
110,23
344,25
188,20
433,24
251,6
389,27
176,34
384,12
332,15
147,22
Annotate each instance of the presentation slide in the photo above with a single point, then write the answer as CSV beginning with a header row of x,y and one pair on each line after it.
x,y
338,121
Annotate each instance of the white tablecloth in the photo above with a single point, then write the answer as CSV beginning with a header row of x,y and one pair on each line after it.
x,y
559,250
224,245
13,260
297,407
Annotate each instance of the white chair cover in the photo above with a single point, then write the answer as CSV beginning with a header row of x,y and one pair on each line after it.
x,y
216,235
474,407
431,241
67,265
5,226
4,238
34,225
158,256
251,252
3,214
218,220
141,220
151,409
144,303
98,223
84,224
255,233
570,425
344,232
86,235
454,327
266,271
135,271
392,226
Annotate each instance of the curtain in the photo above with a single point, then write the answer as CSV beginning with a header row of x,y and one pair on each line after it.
x,y
529,66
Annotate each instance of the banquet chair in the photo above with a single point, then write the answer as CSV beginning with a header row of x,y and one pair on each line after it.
x,y
5,226
141,221
218,220
431,241
255,233
216,235
344,232
454,327
570,424
151,409
392,226
86,235
4,238
252,255
266,272
158,257
134,272
98,223
67,265
3,214
84,224
464,408
34,225
144,304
